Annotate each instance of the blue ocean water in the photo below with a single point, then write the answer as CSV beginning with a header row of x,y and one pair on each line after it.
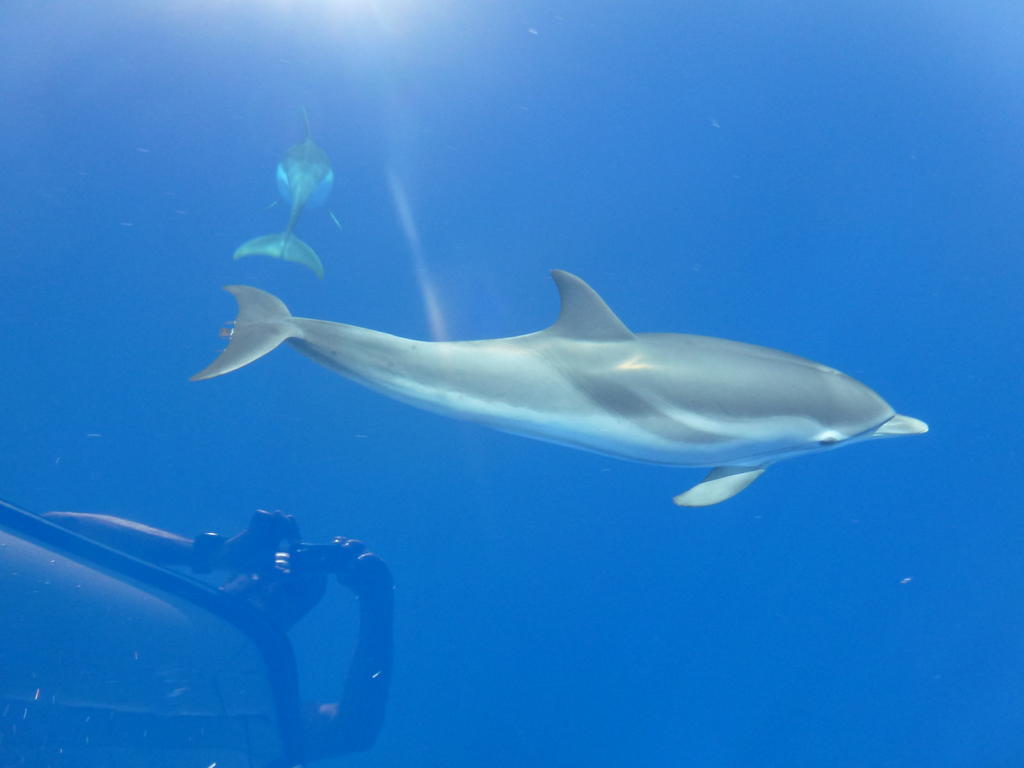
x,y
838,180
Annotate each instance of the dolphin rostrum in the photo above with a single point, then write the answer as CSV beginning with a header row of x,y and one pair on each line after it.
x,y
589,382
304,177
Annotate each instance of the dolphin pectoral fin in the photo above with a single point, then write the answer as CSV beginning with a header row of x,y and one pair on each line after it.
x,y
720,484
282,246
263,322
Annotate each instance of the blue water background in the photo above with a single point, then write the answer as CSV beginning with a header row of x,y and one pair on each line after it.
x,y
839,180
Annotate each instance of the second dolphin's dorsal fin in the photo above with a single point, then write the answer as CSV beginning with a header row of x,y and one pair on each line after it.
x,y
584,315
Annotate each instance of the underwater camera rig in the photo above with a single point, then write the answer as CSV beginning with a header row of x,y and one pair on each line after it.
x,y
108,659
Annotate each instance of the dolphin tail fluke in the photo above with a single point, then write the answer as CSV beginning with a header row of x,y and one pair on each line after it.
x,y
282,246
263,322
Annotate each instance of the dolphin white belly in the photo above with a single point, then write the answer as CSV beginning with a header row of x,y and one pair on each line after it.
x,y
589,382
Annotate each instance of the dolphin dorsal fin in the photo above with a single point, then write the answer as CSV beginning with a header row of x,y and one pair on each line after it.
x,y
584,315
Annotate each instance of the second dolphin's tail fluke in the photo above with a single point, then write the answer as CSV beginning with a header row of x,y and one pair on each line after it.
x,y
282,246
263,322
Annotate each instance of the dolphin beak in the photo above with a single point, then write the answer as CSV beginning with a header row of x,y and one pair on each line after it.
x,y
901,425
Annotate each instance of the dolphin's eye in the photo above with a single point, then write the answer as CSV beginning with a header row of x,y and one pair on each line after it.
x,y
829,438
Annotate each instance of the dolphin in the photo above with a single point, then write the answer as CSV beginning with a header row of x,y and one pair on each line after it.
x,y
589,382
304,177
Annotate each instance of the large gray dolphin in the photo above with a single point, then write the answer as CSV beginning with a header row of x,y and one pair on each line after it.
x,y
304,177
589,382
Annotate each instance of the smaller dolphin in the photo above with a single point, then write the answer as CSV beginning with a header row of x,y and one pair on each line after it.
x,y
304,177
589,382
